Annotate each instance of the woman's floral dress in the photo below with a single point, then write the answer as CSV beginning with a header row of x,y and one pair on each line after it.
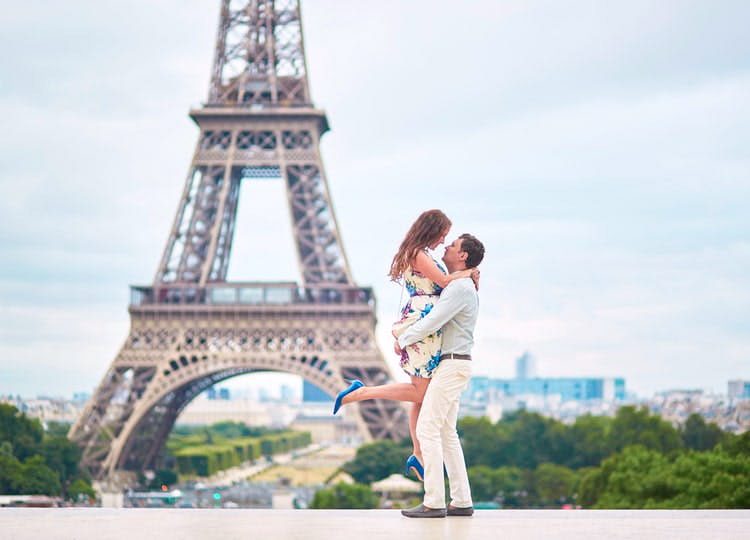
x,y
421,358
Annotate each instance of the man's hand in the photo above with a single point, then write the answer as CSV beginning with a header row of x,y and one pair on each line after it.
x,y
396,348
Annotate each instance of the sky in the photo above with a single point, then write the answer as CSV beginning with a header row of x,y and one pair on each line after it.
x,y
598,149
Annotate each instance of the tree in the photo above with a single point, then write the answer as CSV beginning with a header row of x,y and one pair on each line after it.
x,y
553,484
24,433
376,460
230,430
592,484
561,449
488,484
483,443
10,473
696,434
6,448
737,445
532,442
344,495
55,429
587,438
509,484
709,480
33,461
482,481
80,488
63,457
36,478
643,478
628,480
638,426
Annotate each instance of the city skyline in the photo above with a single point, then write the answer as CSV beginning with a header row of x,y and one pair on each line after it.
x,y
262,386
597,151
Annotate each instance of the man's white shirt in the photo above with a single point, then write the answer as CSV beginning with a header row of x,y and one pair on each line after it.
x,y
455,312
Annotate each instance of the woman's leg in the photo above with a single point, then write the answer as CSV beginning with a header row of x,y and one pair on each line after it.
x,y
413,417
413,391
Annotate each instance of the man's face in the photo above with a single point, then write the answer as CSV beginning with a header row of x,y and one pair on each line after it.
x,y
453,253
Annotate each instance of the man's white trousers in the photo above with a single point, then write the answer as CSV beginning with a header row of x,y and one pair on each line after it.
x,y
436,431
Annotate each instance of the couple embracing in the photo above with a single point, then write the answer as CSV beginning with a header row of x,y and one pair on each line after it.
x,y
433,339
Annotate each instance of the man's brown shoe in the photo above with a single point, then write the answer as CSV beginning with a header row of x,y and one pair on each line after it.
x,y
422,511
457,511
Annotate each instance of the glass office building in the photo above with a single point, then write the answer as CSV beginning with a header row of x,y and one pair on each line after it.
x,y
738,389
484,389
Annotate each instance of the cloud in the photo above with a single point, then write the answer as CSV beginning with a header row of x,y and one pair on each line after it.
x,y
597,149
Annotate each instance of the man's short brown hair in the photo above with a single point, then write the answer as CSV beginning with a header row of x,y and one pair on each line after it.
x,y
473,248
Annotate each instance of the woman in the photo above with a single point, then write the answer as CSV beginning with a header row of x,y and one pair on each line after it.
x,y
424,279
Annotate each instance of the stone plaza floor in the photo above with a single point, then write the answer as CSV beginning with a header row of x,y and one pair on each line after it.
x,y
188,524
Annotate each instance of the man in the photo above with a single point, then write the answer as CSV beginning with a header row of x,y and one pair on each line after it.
x,y
456,313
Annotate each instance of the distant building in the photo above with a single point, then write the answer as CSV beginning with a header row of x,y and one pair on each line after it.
x,y
525,366
287,393
81,397
326,428
313,394
205,411
47,409
728,412
484,389
738,389
218,393
564,398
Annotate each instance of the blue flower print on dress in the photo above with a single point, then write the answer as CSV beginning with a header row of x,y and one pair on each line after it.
x,y
433,363
410,288
421,358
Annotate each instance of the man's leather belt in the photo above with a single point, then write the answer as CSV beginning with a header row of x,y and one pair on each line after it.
x,y
454,356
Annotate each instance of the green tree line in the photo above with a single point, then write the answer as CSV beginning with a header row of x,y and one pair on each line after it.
x,y
205,450
632,460
38,462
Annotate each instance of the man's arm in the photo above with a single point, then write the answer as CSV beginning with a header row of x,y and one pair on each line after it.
x,y
451,300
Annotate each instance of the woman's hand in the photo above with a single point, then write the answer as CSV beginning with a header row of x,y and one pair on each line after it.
x,y
472,273
458,274
475,277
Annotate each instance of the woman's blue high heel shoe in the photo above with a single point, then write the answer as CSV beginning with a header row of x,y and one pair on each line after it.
x,y
352,387
413,464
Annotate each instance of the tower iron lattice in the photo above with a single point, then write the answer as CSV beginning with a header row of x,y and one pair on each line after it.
x,y
192,328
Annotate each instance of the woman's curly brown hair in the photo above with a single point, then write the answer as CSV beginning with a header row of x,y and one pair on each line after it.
x,y
428,228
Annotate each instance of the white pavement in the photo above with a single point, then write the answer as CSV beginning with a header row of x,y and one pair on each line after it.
x,y
188,524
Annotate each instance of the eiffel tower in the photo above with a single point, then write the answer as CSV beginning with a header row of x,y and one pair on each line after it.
x,y
192,328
